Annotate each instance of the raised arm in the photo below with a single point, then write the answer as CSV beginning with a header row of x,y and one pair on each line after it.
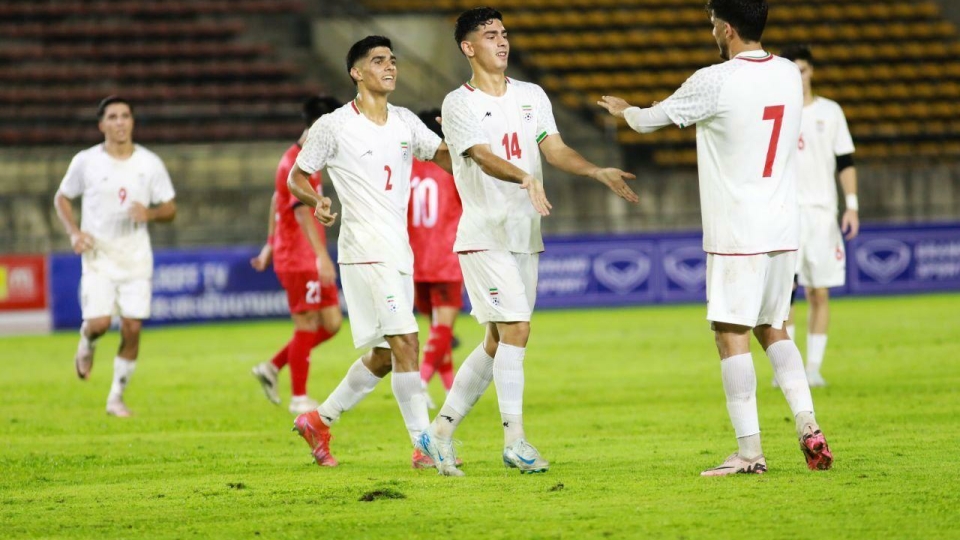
x,y
569,160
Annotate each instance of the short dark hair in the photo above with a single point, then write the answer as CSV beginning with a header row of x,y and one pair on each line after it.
x,y
470,20
797,52
108,101
362,47
429,117
316,106
747,17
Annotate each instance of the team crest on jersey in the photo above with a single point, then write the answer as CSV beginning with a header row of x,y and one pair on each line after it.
x,y
527,113
494,296
405,150
392,304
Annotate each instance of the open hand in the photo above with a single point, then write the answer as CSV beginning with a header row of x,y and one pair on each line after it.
x,y
537,195
322,212
614,105
615,180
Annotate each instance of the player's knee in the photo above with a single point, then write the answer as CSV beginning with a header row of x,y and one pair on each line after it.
x,y
818,297
515,334
380,362
97,327
130,329
332,323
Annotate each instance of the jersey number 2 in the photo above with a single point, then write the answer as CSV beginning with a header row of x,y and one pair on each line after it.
x,y
775,113
389,175
511,145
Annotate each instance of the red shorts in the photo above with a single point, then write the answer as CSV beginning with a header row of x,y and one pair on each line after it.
x,y
429,295
305,293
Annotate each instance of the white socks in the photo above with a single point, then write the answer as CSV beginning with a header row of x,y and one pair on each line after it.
x,y
788,370
740,386
470,383
355,386
816,345
508,378
122,371
412,402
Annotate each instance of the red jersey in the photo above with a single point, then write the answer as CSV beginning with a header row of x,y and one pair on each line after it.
x,y
292,251
432,219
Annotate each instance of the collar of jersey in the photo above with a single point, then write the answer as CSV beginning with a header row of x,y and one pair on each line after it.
x,y
473,88
754,55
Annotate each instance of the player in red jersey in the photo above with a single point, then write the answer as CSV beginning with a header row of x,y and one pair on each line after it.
x,y
433,216
297,244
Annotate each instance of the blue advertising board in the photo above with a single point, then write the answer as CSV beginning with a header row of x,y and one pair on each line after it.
x,y
585,271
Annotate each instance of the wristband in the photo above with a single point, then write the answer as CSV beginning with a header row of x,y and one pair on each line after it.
x,y
852,203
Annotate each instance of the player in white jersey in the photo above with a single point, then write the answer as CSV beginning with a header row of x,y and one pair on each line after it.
x,y
825,150
747,112
367,147
497,129
124,186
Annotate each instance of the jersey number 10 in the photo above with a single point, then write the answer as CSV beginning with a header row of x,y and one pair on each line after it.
x,y
426,202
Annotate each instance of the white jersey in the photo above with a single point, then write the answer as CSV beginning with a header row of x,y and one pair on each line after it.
x,y
497,215
824,135
370,168
747,111
109,186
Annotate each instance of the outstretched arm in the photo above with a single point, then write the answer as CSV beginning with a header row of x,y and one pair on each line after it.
x,y
569,160
501,169
641,120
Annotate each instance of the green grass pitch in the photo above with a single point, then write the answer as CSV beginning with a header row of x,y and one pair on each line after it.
x,y
627,405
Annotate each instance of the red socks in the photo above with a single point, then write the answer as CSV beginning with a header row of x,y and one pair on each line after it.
x,y
280,359
436,354
299,359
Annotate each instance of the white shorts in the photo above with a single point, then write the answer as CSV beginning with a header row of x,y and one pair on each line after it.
x,y
101,296
379,303
750,290
502,285
822,259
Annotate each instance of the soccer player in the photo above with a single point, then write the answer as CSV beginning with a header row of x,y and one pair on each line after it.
x,y
497,128
304,268
368,148
434,213
825,149
747,112
124,186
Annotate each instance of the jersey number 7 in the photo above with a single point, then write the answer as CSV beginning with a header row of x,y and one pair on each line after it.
x,y
775,113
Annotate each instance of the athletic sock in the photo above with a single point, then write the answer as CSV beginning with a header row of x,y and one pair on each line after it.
x,y
355,386
280,359
740,387
299,359
321,335
508,378
445,369
437,345
816,345
122,371
413,404
472,380
788,370
426,371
